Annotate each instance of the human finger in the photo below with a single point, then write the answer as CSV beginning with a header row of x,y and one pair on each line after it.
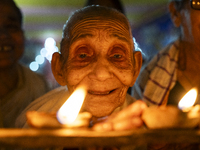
x,y
134,109
126,124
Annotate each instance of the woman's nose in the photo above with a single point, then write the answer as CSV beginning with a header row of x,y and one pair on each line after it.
x,y
3,33
101,70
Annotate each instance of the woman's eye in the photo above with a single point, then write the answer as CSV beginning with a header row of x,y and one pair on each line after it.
x,y
13,27
117,56
83,55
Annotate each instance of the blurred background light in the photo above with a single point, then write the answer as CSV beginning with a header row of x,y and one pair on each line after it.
x,y
39,59
49,43
34,66
43,52
46,52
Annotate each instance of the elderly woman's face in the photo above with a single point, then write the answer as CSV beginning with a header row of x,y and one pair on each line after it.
x,y
101,58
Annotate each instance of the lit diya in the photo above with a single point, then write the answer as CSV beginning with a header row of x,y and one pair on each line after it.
x,y
67,116
184,116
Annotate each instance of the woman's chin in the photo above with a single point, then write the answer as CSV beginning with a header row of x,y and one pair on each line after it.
x,y
100,111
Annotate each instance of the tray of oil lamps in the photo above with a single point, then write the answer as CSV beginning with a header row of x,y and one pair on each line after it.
x,y
41,138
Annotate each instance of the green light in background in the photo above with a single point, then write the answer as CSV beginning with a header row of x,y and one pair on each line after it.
x,y
53,3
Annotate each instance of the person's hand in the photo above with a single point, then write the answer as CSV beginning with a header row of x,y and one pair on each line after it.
x,y
128,118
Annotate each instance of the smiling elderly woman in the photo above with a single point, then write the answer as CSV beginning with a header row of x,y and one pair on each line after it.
x,y
97,51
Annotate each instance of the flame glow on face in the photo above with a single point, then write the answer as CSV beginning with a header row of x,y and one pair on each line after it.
x,y
188,100
69,110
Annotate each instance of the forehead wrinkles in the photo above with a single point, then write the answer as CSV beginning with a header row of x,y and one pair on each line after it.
x,y
86,26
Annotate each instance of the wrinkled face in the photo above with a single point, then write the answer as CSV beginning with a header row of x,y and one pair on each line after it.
x,y
190,24
11,37
101,58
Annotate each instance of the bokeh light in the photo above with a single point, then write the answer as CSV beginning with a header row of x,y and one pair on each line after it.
x,y
34,66
46,52
39,59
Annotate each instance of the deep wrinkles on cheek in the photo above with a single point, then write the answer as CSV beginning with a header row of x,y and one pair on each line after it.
x,y
122,93
72,79
75,72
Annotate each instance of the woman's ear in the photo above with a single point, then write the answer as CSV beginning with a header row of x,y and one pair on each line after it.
x,y
56,67
174,14
137,56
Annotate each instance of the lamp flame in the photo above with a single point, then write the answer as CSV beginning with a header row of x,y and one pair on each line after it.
x,y
69,111
188,99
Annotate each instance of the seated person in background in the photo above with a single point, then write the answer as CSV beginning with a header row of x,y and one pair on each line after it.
x,y
116,4
97,51
175,70
19,86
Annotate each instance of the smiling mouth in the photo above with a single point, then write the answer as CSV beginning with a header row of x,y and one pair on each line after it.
x,y
6,48
100,93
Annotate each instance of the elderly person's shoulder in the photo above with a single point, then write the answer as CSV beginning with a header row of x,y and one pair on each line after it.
x,y
50,102
51,99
